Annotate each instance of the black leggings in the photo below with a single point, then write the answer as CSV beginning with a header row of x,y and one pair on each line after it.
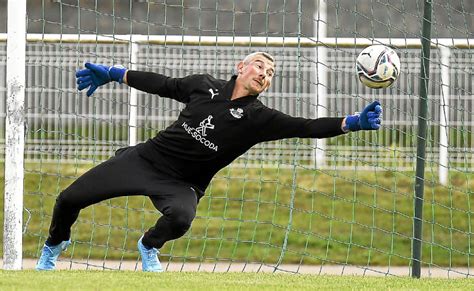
x,y
127,174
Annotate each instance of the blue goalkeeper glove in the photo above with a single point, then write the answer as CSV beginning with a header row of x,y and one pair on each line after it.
x,y
94,76
369,119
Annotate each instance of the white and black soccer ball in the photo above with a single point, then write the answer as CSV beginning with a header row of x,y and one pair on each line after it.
x,y
378,66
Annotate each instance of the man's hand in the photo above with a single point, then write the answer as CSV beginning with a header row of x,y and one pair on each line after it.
x,y
369,119
94,76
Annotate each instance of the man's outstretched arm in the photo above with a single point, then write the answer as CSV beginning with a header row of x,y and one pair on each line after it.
x,y
276,125
95,75
154,83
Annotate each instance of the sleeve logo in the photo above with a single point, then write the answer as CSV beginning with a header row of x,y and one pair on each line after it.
x,y
212,93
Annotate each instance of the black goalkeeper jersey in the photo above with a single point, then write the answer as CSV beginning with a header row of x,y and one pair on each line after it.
x,y
212,130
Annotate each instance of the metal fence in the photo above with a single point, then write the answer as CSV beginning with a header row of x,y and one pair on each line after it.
x,y
64,124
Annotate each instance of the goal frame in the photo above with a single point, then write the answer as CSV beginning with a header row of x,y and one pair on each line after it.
x,y
17,38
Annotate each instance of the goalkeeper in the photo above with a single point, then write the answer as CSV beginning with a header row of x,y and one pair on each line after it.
x,y
221,121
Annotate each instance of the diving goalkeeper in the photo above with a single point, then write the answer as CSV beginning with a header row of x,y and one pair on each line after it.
x,y
221,121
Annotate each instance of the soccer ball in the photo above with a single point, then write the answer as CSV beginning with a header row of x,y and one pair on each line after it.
x,y
378,66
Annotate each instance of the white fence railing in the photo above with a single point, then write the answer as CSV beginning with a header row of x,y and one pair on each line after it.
x,y
60,119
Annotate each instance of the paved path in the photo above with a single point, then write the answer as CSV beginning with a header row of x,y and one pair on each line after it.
x,y
241,267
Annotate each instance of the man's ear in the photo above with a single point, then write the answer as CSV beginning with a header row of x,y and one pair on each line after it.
x,y
240,67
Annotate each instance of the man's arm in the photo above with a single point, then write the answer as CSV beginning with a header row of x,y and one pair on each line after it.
x,y
343,125
176,88
274,125
125,77
94,76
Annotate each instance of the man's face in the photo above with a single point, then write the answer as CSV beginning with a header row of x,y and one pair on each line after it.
x,y
256,75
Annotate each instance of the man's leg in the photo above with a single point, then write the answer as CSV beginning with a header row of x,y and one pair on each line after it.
x,y
178,205
124,174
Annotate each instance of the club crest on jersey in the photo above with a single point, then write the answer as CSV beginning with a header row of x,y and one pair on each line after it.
x,y
213,93
237,113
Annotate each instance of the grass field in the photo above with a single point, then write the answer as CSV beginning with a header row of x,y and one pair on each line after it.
x,y
248,215
115,280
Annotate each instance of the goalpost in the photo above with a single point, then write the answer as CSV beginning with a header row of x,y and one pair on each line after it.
x,y
14,138
292,205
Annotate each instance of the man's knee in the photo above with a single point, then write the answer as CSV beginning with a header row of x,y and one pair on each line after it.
x,y
181,217
66,200
63,200
182,224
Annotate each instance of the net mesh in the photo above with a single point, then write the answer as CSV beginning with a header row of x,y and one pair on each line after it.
x,y
279,207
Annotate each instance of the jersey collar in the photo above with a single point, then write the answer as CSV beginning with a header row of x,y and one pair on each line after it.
x,y
229,87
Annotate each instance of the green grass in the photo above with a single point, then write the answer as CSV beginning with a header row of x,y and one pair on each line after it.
x,y
121,280
353,217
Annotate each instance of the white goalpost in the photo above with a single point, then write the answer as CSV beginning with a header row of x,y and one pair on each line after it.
x,y
14,137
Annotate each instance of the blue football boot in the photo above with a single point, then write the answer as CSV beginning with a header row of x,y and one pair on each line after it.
x,y
150,262
50,254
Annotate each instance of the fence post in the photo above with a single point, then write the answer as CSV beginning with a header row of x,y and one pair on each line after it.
x,y
14,136
321,101
133,105
445,53
421,141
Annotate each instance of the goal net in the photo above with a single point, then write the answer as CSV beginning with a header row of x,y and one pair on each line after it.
x,y
342,205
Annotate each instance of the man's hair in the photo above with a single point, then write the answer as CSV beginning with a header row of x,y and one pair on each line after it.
x,y
251,56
